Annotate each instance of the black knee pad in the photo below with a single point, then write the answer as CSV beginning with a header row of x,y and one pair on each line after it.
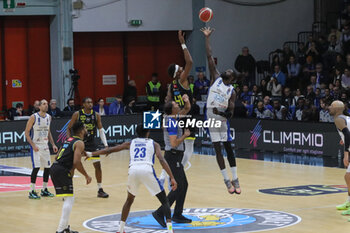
x,y
34,174
230,155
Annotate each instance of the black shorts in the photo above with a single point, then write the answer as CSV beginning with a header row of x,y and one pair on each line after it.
x,y
92,146
62,180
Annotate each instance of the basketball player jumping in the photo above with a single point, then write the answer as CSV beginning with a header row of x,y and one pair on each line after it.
x,y
142,151
62,171
220,106
342,122
38,134
91,120
179,87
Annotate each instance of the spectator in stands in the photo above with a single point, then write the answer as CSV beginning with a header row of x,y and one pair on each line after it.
x,y
344,98
287,98
330,56
279,111
310,112
322,45
301,53
279,75
35,108
318,98
54,111
130,107
246,94
14,112
345,79
260,112
293,69
201,85
345,39
287,53
321,77
339,62
274,87
297,96
299,109
313,82
334,32
327,96
337,74
324,115
345,16
310,94
267,103
336,93
245,64
313,52
101,108
153,90
70,106
263,88
276,61
130,92
334,45
308,69
255,95
310,39
117,107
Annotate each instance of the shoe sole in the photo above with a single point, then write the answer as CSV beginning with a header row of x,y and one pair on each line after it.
x,y
180,221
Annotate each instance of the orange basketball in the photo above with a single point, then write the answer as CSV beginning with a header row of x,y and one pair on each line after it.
x,y
205,14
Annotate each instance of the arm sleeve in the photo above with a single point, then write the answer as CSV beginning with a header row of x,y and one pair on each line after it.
x,y
346,133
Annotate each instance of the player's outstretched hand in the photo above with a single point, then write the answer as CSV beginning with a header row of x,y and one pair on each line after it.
x,y
107,153
181,37
185,98
88,179
207,31
173,184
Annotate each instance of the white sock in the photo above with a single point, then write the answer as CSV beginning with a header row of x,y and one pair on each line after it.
x,y
234,173
99,185
224,174
66,210
169,227
121,226
32,186
44,185
188,151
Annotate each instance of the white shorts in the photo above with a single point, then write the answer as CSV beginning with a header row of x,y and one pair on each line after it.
x,y
42,157
348,169
221,134
143,174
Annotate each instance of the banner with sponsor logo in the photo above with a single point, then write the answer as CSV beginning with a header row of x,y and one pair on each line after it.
x,y
279,136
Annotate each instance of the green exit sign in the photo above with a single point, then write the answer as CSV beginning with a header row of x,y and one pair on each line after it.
x,y
135,22
9,4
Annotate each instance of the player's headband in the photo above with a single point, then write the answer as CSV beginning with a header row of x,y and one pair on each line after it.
x,y
176,70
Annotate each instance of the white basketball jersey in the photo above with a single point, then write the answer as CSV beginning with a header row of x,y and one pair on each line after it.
x,y
142,151
40,129
219,95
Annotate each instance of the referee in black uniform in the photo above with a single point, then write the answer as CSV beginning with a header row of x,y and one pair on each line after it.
x,y
62,171
174,152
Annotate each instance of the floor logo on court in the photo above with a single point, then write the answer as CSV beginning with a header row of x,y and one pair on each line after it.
x,y
204,220
306,190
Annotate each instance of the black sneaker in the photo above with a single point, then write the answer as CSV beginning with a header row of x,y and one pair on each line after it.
x,y
67,230
33,195
181,219
46,193
102,193
159,218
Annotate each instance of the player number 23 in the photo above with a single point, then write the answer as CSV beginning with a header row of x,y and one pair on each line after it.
x,y
140,153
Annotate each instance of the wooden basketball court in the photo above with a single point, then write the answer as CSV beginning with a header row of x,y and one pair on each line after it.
x,y
206,189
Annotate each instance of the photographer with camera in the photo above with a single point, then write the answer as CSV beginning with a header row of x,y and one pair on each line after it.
x,y
274,87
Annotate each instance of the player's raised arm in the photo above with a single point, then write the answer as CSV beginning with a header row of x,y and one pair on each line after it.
x,y
214,73
101,131
71,123
165,165
188,59
78,151
124,146
29,126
